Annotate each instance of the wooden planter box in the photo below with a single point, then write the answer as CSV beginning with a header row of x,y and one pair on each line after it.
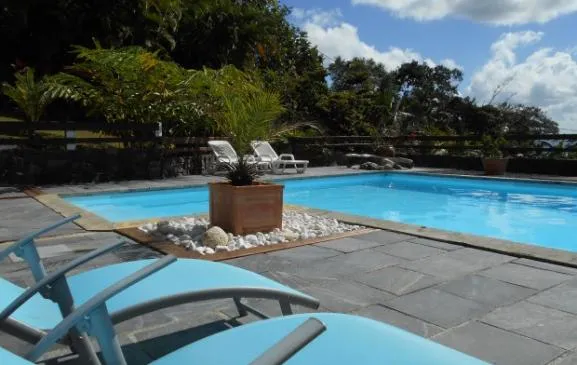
x,y
246,209
495,166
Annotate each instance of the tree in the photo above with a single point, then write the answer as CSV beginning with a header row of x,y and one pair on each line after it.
x,y
425,92
40,34
362,97
30,95
255,36
134,85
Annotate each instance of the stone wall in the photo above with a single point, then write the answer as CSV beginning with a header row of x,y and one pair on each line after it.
x,y
31,166
319,155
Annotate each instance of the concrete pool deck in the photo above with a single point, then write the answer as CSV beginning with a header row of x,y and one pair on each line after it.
x,y
500,308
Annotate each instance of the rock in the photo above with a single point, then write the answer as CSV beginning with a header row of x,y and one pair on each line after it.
x,y
221,249
188,244
215,236
404,162
192,233
290,235
369,166
441,152
252,239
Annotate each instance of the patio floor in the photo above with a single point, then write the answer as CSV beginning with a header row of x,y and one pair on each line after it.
x,y
498,308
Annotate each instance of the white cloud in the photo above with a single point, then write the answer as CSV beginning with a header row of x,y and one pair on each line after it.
x,y
546,78
498,12
335,37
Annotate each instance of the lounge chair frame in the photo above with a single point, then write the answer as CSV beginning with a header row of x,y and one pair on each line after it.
x,y
54,286
225,156
278,163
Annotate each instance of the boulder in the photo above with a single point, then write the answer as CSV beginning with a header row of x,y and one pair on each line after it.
x,y
369,166
215,236
404,162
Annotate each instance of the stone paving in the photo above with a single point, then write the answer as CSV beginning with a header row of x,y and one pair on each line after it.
x,y
499,308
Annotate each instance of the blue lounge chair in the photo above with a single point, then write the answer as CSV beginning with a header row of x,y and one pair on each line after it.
x,y
319,338
29,313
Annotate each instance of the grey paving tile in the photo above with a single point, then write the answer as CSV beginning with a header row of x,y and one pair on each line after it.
x,y
397,280
384,237
439,307
345,296
498,346
569,358
442,266
24,216
269,307
437,244
349,244
479,258
562,297
350,265
541,323
410,250
291,280
486,290
262,263
526,276
547,266
305,253
400,320
47,251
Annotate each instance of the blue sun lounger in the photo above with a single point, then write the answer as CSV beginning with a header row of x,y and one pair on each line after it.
x,y
28,313
319,338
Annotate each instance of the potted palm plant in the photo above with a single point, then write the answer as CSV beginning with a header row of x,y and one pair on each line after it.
x,y
246,112
244,205
493,161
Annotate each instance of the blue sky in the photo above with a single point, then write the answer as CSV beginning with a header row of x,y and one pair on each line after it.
x,y
526,48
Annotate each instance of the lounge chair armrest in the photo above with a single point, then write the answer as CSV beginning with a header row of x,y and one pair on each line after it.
x,y
92,317
291,343
45,285
17,246
286,156
266,158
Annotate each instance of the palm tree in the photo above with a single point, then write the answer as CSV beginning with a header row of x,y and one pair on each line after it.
x,y
31,96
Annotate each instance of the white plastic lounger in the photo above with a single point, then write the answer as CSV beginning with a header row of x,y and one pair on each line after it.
x,y
29,313
226,155
265,153
304,339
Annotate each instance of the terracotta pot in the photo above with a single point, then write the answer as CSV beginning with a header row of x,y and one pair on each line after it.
x,y
495,166
246,209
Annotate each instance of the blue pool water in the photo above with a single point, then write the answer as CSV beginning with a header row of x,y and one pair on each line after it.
x,y
527,212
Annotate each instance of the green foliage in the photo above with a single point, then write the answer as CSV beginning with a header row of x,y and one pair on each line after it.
x,y
242,173
243,109
135,85
492,146
30,95
142,84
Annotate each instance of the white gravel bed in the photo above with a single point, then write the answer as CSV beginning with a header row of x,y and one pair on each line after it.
x,y
195,234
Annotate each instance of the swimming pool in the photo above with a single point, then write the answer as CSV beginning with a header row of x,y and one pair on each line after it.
x,y
528,212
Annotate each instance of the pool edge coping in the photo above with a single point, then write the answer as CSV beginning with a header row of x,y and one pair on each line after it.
x,y
92,222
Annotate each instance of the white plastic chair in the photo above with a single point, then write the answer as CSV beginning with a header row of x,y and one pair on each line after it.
x,y
265,153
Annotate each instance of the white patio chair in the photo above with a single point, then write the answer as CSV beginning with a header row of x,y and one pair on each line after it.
x,y
225,155
265,153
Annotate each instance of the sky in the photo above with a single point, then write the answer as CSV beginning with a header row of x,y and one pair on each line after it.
x,y
524,51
